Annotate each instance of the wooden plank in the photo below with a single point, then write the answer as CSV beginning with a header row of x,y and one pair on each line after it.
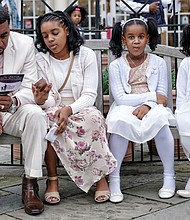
x,y
9,139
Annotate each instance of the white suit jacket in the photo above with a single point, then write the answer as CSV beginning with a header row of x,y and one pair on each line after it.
x,y
19,57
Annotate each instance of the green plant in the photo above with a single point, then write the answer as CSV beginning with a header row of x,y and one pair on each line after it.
x,y
105,81
173,79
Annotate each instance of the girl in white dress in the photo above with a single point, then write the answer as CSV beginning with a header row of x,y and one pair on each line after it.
x,y
80,138
138,82
183,101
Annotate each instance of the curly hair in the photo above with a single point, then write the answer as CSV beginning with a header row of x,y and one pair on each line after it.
x,y
74,40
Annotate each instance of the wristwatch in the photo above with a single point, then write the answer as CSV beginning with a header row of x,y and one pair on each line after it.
x,y
13,107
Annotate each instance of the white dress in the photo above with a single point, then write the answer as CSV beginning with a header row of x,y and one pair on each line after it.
x,y
182,112
120,119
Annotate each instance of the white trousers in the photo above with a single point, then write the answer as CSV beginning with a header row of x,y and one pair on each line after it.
x,y
30,123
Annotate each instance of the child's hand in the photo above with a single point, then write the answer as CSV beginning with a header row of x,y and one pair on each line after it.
x,y
161,99
41,91
141,111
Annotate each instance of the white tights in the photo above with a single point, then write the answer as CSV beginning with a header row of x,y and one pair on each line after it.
x,y
187,187
165,148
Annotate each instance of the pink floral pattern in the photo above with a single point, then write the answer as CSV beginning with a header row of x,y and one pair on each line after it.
x,y
83,147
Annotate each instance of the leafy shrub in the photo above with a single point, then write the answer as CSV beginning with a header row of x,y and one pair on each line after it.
x,y
173,79
105,81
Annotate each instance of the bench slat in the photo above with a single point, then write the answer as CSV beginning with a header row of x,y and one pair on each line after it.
x,y
9,139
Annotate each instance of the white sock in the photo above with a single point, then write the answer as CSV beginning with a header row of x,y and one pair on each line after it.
x,y
114,184
118,146
169,182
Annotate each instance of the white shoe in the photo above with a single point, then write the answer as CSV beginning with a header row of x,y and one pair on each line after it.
x,y
166,193
183,193
116,197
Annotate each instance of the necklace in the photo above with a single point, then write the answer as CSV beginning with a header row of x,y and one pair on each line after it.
x,y
135,65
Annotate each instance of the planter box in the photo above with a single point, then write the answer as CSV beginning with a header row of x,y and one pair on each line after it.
x,y
16,152
106,104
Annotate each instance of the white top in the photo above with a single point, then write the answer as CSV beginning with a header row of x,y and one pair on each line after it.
x,y
183,83
182,111
61,68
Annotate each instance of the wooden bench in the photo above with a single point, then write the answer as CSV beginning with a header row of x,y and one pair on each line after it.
x,y
171,55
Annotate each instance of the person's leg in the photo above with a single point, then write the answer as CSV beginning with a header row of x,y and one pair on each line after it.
x,y
165,147
30,122
51,194
118,146
102,193
185,193
185,141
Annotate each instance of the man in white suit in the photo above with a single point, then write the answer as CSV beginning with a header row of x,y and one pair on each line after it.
x,y
21,115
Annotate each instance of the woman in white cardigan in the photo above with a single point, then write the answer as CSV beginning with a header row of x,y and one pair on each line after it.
x,y
183,102
80,136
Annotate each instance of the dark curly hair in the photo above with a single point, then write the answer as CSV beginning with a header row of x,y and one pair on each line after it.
x,y
118,31
4,15
185,42
83,11
74,40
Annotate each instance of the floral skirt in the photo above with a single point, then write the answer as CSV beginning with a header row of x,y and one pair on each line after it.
x,y
83,147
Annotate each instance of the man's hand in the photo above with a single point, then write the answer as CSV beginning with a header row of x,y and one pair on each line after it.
x,y
41,91
141,111
154,7
5,103
161,99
